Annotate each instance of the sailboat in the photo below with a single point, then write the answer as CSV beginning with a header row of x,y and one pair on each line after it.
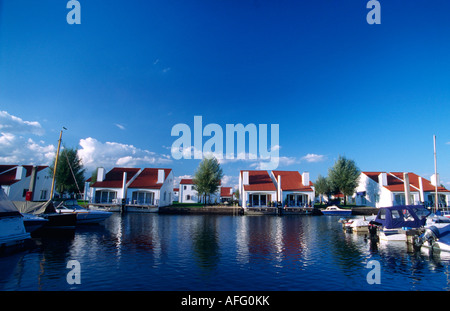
x,y
46,210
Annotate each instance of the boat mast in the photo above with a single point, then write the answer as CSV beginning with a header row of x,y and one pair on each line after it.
x,y
435,177
56,163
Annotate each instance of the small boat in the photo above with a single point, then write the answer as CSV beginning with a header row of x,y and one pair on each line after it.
x,y
84,216
357,225
394,222
437,239
33,222
334,210
12,228
46,210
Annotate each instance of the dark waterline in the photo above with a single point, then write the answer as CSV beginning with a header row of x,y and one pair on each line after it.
x,y
191,253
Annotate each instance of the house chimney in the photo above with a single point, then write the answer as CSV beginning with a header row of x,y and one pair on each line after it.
x,y
245,180
124,185
422,196
33,179
161,176
100,174
406,184
279,194
20,172
435,180
382,179
305,179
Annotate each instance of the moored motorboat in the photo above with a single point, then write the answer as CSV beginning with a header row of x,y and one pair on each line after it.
x,y
65,224
358,224
84,216
33,222
437,239
336,211
12,228
394,222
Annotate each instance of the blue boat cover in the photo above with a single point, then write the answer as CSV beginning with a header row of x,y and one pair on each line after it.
x,y
412,216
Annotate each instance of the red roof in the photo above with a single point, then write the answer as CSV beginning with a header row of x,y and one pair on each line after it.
x,y
148,178
226,192
259,181
8,173
292,181
395,182
187,181
114,178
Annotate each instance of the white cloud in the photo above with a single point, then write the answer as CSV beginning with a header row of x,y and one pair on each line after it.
x,y
15,145
311,157
230,181
15,125
176,180
120,126
15,149
94,153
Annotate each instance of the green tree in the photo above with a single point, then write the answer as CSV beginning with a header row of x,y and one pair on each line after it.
x,y
343,176
207,177
323,187
69,172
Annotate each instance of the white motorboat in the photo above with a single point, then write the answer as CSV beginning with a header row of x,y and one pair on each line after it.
x,y
12,228
358,224
84,216
334,210
437,239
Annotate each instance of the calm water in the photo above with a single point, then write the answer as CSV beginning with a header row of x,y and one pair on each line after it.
x,y
172,252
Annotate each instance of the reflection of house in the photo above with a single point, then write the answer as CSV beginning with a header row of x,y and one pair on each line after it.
x,y
256,189
293,189
382,189
226,194
148,186
26,182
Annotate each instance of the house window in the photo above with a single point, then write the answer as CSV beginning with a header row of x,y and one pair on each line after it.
x,y
104,196
24,193
185,187
164,196
142,197
188,197
43,195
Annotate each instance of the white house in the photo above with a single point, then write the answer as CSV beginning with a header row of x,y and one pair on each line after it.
x,y
148,186
256,189
187,193
226,194
176,192
383,189
26,182
293,189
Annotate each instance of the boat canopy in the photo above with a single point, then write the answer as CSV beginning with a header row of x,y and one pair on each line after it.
x,y
413,216
7,208
36,208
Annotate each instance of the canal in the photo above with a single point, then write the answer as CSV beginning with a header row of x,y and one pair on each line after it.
x,y
151,252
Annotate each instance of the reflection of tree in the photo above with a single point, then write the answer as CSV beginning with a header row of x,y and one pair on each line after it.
x,y
206,245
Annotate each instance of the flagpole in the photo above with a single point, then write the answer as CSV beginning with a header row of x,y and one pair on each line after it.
x,y
435,176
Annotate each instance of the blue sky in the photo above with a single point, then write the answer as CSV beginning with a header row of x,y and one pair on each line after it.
x,y
132,70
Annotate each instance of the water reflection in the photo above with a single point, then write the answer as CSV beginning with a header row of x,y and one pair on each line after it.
x,y
170,252
205,243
